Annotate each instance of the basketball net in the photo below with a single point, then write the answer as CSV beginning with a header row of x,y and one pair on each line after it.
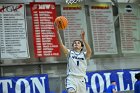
x,y
73,1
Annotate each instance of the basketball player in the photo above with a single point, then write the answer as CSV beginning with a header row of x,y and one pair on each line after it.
x,y
137,83
77,63
112,87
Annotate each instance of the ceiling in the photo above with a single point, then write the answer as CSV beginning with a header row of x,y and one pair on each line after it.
x,y
58,1
124,1
114,2
119,1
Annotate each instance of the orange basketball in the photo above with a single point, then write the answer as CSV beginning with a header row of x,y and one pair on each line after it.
x,y
61,22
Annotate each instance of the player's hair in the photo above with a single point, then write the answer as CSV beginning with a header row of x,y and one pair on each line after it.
x,y
137,76
82,44
113,81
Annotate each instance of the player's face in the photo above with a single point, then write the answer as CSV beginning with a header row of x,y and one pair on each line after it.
x,y
77,45
114,83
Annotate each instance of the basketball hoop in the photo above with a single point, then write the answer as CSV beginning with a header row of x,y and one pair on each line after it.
x,y
73,1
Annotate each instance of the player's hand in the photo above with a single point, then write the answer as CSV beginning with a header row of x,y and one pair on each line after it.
x,y
82,35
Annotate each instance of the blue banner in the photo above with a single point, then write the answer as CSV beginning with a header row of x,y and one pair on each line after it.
x,y
30,84
97,82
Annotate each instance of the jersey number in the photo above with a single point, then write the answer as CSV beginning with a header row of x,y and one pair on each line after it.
x,y
77,63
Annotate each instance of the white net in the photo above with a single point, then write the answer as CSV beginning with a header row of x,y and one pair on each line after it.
x,y
73,1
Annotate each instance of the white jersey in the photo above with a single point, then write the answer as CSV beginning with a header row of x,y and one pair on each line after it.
x,y
77,63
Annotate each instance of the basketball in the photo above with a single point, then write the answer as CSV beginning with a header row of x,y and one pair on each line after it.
x,y
61,22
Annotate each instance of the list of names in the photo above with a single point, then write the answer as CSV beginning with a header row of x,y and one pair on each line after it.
x,y
13,38
46,43
102,26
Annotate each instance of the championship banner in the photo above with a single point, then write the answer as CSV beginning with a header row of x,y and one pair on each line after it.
x,y
45,40
75,14
129,17
30,84
97,82
13,35
103,31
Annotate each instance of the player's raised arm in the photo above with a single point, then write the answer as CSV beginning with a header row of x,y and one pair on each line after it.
x,y
64,49
88,49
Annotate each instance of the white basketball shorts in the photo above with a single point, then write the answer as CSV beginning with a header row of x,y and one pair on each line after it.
x,y
77,83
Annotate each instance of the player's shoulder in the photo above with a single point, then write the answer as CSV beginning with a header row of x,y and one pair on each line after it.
x,y
71,51
68,50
